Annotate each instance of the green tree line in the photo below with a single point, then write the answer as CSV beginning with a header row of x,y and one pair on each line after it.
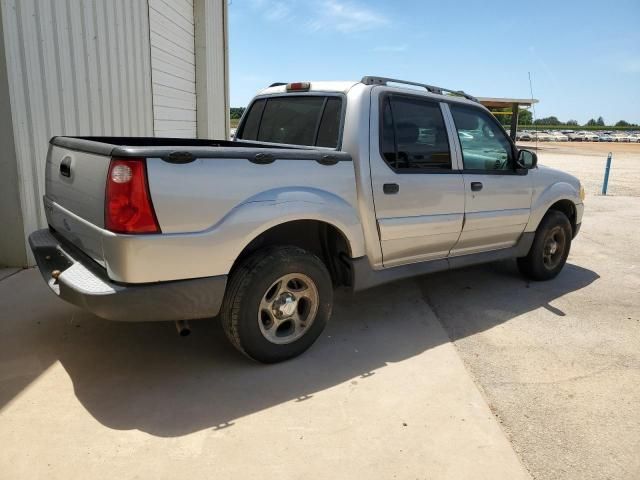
x,y
526,118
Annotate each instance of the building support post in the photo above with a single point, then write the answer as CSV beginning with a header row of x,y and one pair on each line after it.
x,y
514,121
13,248
212,69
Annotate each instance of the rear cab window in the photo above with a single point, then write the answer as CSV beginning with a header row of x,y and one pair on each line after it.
x,y
309,120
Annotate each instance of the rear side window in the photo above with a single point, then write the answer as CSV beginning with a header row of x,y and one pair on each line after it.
x,y
250,129
329,129
296,120
413,135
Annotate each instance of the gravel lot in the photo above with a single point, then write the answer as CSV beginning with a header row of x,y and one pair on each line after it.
x,y
587,161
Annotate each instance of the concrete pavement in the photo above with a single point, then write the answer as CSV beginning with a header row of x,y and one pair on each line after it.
x,y
383,394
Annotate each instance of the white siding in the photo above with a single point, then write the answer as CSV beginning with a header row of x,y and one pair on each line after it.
x,y
173,70
75,67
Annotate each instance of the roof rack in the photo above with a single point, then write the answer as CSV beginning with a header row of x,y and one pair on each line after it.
x,y
370,80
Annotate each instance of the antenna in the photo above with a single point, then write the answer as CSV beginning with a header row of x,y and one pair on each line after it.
x,y
533,107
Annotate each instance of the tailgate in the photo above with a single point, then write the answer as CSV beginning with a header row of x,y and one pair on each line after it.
x,y
74,196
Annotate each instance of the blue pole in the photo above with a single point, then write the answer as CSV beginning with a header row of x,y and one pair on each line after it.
x,y
606,175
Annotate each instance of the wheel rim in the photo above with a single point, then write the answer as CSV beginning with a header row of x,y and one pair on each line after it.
x,y
288,308
554,246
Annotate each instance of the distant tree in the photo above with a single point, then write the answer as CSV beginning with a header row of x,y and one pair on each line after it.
x,y
548,121
236,112
525,117
572,123
600,122
591,123
623,123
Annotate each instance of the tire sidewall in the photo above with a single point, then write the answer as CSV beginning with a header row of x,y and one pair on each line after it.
x,y
252,341
551,220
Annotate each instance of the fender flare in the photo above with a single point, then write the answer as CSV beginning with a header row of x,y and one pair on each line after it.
x,y
543,201
275,207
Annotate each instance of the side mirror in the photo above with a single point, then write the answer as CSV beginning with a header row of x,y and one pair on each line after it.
x,y
527,159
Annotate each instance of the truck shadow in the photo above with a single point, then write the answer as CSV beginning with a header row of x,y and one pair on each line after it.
x,y
145,377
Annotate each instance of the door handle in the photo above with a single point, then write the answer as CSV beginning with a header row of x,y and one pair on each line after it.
x,y
390,188
476,186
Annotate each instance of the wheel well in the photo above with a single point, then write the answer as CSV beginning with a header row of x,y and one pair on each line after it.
x,y
569,209
317,237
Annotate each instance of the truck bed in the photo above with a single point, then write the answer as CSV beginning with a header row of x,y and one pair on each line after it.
x,y
198,189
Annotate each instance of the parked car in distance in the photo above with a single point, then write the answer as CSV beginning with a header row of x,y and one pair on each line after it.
x,y
583,136
634,138
257,232
620,137
523,136
559,137
542,136
605,137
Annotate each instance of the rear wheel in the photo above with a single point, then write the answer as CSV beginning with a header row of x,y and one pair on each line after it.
x,y
277,303
550,248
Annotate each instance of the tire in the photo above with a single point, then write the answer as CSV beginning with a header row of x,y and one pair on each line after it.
x,y
277,303
550,248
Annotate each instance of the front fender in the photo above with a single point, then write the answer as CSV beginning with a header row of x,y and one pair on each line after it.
x,y
545,197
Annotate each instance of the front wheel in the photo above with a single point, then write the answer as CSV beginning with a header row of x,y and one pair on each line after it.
x,y
277,303
550,248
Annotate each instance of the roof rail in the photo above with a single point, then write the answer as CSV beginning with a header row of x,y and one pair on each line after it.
x,y
370,80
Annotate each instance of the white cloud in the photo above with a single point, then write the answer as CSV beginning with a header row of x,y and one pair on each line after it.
x,y
346,17
343,16
277,12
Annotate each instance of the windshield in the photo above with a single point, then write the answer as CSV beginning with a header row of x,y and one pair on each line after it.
x,y
312,120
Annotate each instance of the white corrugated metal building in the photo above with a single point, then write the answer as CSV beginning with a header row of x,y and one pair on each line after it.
x,y
98,67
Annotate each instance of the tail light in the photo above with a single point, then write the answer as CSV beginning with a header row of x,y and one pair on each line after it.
x,y
128,207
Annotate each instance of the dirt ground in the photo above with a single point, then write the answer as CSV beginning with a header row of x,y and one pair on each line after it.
x,y
587,161
589,149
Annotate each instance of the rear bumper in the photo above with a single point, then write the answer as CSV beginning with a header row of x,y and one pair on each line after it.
x,y
84,283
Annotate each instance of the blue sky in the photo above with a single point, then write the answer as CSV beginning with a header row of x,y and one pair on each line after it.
x,y
584,56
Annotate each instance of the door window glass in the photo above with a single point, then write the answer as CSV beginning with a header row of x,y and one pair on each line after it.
x,y
484,144
413,135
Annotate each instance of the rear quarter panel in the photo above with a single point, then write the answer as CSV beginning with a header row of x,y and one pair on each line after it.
x,y
211,209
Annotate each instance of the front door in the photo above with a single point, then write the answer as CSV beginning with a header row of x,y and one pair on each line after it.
x,y
418,190
497,196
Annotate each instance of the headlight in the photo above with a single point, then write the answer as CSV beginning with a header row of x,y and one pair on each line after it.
x,y
582,194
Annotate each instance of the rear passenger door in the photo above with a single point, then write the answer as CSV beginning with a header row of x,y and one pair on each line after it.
x,y
497,195
418,190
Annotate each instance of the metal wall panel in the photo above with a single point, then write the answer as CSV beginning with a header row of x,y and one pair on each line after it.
x,y
173,70
74,67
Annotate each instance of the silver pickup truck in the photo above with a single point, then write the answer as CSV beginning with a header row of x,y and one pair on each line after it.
x,y
327,184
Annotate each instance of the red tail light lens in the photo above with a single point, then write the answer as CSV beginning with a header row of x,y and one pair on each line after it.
x,y
128,207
